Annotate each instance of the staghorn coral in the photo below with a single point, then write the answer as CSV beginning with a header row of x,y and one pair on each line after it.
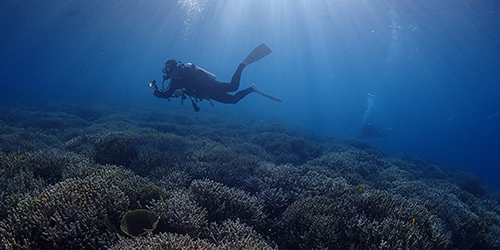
x,y
221,164
116,148
140,190
228,236
275,201
26,140
442,199
483,222
163,241
401,223
233,234
315,223
173,180
355,181
286,148
28,173
350,161
372,220
287,177
392,176
297,181
159,154
223,202
181,213
73,214
48,164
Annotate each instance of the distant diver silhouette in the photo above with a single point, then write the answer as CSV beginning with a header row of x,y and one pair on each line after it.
x,y
368,129
188,80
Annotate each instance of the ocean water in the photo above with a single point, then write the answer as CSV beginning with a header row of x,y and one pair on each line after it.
x,y
427,71
433,66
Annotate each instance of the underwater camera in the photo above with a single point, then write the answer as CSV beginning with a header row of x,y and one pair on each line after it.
x,y
152,84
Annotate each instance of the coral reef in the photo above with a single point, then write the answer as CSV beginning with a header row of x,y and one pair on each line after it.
x,y
223,202
233,234
228,236
164,241
372,220
73,214
286,148
69,173
181,213
28,173
222,164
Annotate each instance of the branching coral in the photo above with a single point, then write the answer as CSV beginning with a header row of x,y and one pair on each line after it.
x,y
228,236
361,221
181,213
73,214
140,190
221,164
275,201
164,241
350,161
28,173
233,234
224,203
287,149
25,140
116,148
215,184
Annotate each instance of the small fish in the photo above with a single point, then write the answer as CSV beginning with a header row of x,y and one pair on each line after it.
x,y
413,222
359,189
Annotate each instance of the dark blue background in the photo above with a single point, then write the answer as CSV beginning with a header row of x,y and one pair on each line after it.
x,y
433,65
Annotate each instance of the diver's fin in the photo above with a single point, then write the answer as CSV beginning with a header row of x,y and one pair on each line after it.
x,y
257,90
258,53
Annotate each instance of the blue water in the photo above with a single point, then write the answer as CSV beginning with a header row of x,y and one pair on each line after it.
x,y
433,66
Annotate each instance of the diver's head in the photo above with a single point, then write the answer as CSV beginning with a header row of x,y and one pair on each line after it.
x,y
170,65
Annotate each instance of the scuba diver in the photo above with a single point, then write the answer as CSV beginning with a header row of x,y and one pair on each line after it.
x,y
369,130
188,80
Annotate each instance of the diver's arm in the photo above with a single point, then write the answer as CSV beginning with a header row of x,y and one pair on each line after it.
x,y
163,94
167,93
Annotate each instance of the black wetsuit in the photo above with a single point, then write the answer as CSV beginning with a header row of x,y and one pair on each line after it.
x,y
200,85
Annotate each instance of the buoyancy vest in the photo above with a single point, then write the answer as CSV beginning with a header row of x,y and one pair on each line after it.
x,y
199,70
197,81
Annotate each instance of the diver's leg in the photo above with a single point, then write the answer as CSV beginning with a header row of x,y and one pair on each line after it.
x,y
231,99
235,80
229,86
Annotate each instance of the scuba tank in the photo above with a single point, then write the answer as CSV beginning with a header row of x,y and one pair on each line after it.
x,y
190,66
